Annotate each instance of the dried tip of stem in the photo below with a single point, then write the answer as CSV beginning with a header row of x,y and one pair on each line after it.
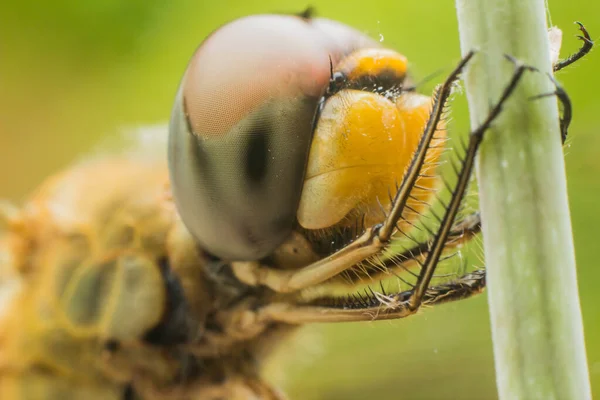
x,y
555,39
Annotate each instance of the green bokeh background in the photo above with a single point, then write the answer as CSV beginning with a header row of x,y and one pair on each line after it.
x,y
72,73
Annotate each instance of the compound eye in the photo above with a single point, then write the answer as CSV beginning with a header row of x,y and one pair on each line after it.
x,y
241,129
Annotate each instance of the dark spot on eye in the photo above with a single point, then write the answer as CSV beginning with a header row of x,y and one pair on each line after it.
x,y
257,153
196,152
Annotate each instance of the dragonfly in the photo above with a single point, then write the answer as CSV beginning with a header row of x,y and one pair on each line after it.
x,y
299,150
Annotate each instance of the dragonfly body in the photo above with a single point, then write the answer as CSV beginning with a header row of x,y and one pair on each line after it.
x,y
105,282
142,276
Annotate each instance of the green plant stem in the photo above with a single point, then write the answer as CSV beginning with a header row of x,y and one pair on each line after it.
x,y
537,328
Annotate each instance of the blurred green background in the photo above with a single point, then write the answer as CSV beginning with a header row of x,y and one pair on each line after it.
x,y
72,73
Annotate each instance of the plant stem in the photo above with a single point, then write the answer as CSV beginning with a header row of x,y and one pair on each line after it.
x,y
537,328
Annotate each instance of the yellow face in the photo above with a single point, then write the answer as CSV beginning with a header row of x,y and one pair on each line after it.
x,y
362,146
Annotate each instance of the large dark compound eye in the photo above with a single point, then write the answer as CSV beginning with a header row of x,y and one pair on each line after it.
x,y
241,129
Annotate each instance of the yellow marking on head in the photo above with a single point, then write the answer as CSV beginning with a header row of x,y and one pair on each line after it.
x,y
373,62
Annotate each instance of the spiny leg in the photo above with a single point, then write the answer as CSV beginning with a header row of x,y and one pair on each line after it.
x,y
441,237
565,119
399,305
559,92
471,224
374,239
588,43
372,306
461,232
567,112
